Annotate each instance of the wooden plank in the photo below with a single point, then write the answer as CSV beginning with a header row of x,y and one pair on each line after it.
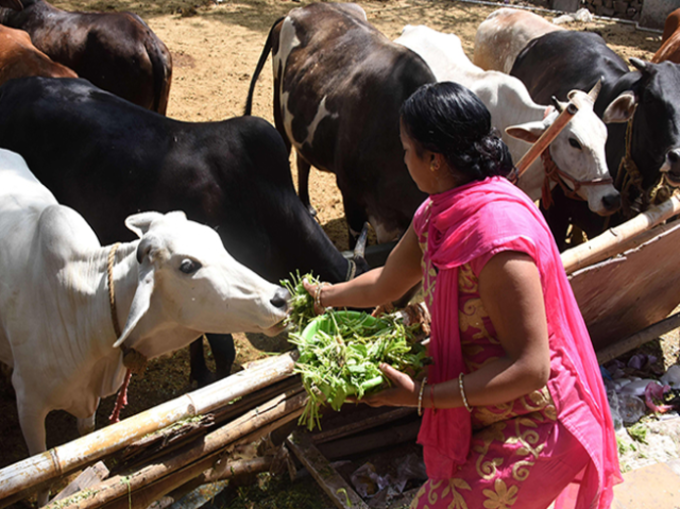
x,y
361,425
615,240
88,478
332,483
638,339
625,294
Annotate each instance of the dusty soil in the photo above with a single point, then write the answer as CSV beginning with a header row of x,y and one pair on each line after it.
x,y
215,47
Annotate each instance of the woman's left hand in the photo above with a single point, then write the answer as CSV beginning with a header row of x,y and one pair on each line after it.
x,y
404,391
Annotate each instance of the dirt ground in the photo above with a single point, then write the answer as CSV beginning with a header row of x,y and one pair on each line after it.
x,y
215,47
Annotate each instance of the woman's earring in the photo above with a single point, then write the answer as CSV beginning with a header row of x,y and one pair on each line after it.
x,y
434,166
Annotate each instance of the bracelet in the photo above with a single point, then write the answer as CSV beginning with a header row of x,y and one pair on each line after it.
x,y
462,393
317,295
420,396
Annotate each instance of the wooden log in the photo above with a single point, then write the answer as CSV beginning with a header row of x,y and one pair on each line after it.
x,y
370,441
229,469
88,478
638,339
192,473
190,461
546,139
27,476
159,442
611,242
332,483
362,425
200,496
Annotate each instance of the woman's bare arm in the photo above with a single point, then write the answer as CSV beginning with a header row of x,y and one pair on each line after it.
x,y
381,285
510,289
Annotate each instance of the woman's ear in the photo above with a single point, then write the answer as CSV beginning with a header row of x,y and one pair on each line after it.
x,y
436,161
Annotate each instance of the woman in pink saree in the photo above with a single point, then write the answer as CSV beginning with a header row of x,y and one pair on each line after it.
x,y
514,410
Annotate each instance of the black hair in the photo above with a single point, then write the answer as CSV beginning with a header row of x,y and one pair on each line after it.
x,y
449,119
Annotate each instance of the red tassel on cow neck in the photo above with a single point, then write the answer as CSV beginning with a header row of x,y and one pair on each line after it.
x,y
121,399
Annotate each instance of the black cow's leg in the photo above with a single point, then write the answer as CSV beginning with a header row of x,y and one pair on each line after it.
x,y
356,217
304,168
558,222
224,353
199,369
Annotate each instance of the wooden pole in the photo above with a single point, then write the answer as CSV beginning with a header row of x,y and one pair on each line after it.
x,y
546,138
609,243
26,476
638,339
332,483
192,459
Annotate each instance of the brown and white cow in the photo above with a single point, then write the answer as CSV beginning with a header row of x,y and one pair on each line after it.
x,y
503,34
338,87
670,41
20,58
117,52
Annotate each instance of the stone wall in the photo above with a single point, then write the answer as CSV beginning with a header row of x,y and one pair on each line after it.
x,y
624,9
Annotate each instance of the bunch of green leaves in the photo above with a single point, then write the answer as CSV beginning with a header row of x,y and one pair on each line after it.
x,y
301,303
340,353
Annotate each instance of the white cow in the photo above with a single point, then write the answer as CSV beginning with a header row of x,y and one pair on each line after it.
x,y
577,151
503,34
56,327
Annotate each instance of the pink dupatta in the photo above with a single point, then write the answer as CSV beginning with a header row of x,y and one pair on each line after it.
x,y
481,219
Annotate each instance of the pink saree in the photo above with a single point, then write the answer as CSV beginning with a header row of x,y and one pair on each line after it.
x,y
475,222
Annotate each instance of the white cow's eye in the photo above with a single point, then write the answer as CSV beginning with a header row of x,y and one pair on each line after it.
x,y
189,266
574,143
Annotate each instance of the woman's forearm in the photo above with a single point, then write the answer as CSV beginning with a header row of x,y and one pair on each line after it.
x,y
498,382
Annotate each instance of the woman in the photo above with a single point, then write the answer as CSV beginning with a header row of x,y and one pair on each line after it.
x,y
515,413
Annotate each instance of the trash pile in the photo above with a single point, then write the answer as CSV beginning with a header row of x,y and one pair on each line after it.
x,y
645,405
632,391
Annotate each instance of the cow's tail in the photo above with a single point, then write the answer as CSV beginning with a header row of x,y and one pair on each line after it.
x,y
260,64
161,61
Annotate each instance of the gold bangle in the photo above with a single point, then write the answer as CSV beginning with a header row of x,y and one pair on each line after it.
x,y
420,396
317,295
462,393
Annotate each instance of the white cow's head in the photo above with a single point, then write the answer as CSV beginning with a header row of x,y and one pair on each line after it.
x,y
579,151
188,283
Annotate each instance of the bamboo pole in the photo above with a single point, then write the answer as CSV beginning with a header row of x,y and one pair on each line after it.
x,y
151,491
546,138
638,339
160,442
28,474
609,243
190,460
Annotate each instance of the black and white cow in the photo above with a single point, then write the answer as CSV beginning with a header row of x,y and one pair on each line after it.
x,y
338,87
643,101
108,158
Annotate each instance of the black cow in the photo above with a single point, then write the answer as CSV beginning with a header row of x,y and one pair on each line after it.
x,y
115,51
108,158
561,61
338,87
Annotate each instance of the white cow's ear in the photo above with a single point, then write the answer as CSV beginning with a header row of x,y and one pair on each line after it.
x,y
140,223
621,109
141,302
529,132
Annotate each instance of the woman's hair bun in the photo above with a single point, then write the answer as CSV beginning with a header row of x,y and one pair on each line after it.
x,y
449,119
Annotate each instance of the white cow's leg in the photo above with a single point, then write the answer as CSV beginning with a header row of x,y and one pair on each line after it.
x,y
86,425
32,422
